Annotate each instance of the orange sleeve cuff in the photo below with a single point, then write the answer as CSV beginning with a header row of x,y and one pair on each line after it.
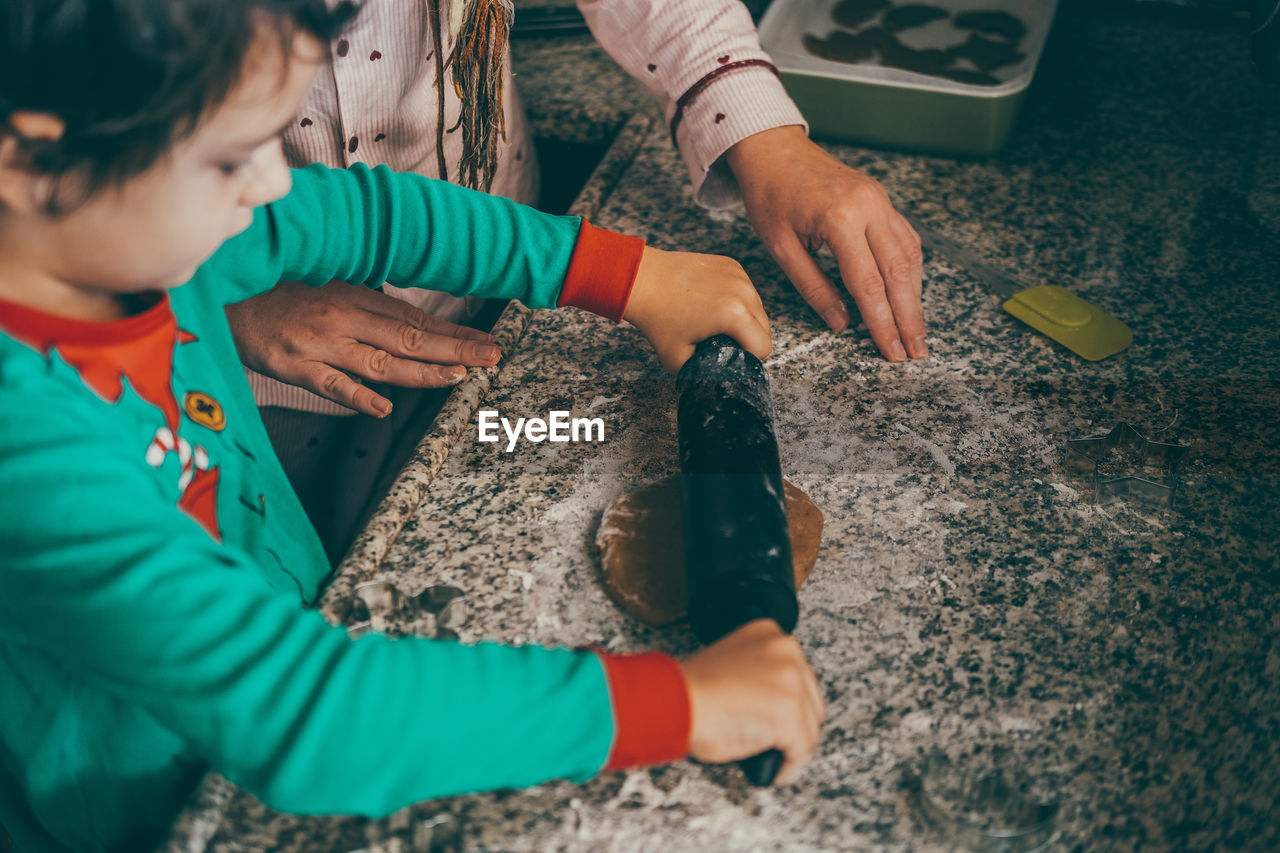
x,y
601,272
652,717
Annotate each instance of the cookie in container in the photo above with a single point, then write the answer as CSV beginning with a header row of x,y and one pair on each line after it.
x,y
946,76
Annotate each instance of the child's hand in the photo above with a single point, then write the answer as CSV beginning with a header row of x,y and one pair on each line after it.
x,y
680,299
750,691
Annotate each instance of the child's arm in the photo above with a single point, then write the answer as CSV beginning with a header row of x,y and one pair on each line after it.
x,y
367,226
372,225
105,576
114,585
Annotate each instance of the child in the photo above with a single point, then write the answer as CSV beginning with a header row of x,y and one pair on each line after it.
x,y
153,559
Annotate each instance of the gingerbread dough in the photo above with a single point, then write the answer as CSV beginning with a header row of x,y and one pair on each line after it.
x,y
641,547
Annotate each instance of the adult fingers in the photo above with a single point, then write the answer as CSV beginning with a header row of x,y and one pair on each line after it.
x,y
404,340
369,362
333,384
901,263
377,302
812,284
863,280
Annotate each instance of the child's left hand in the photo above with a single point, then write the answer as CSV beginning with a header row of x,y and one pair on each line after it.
x,y
681,298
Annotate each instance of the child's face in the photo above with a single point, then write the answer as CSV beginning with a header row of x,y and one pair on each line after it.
x,y
157,228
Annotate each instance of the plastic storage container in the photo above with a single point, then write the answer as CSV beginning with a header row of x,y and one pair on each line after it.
x,y
864,99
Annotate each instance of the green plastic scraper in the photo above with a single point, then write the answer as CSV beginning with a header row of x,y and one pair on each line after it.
x,y
1080,326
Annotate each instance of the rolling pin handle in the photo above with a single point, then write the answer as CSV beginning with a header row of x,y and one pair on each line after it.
x,y
762,769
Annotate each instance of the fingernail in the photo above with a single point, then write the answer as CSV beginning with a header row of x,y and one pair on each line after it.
x,y
383,407
836,318
453,374
896,352
918,348
487,352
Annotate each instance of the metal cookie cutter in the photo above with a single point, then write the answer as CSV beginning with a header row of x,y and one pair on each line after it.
x,y
1153,466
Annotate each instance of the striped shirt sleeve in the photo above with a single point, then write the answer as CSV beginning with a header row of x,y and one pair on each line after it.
x,y
702,59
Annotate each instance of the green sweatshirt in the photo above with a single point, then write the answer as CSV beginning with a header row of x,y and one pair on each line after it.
x,y
155,563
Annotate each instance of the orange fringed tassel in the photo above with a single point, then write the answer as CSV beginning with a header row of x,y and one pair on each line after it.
x,y
477,63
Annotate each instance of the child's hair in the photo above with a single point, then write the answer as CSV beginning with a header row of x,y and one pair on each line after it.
x,y
130,77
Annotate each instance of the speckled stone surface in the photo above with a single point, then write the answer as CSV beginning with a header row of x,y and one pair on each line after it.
x,y
968,594
454,423
574,91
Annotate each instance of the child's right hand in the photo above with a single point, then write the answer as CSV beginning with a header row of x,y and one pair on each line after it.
x,y
681,298
750,691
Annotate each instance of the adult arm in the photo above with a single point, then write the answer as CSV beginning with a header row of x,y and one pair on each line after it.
x,y
742,137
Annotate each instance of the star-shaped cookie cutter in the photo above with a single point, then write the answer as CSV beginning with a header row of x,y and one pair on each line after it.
x,y
1085,454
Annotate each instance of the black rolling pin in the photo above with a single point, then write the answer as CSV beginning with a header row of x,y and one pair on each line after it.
x,y
737,549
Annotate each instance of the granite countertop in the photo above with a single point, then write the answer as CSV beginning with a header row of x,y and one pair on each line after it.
x,y
969,598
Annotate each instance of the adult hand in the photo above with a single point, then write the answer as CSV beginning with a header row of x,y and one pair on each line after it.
x,y
682,298
750,691
798,197
315,336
